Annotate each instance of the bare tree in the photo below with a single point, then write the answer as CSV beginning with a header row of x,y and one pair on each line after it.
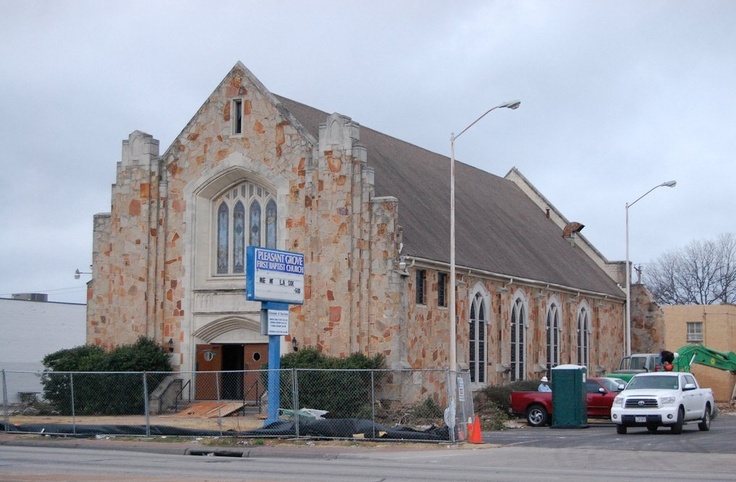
x,y
702,273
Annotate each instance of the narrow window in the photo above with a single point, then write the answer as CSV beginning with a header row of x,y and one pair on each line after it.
x,y
421,294
237,116
239,238
271,224
583,337
255,224
442,289
477,350
553,337
518,341
222,238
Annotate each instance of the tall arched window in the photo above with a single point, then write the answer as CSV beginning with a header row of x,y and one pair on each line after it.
x,y
478,354
518,339
553,336
271,213
583,328
239,224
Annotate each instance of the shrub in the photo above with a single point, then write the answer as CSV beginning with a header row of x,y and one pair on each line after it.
x,y
492,403
342,386
81,372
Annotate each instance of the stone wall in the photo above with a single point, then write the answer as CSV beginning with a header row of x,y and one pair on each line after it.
x,y
647,321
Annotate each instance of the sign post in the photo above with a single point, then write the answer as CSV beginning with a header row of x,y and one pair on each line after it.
x,y
276,279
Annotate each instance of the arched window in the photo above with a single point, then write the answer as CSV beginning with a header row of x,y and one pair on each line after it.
x,y
223,238
583,328
271,224
553,336
518,339
239,238
238,224
478,354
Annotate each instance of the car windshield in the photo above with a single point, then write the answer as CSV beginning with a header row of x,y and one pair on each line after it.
x,y
660,382
612,384
638,363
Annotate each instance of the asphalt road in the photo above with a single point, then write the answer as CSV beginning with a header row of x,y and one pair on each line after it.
x,y
595,453
721,439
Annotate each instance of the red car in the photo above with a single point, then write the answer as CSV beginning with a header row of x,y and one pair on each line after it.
x,y
536,407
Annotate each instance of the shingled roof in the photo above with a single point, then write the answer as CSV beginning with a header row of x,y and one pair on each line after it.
x,y
498,228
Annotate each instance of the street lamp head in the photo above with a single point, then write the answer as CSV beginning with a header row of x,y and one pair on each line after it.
x,y
512,104
669,184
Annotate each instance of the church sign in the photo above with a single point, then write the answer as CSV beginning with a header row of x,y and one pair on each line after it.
x,y
274,275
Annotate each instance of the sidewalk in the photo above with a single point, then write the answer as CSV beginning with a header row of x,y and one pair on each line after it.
x,y
229,447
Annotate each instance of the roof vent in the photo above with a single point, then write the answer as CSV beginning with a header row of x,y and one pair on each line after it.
x,y
570,230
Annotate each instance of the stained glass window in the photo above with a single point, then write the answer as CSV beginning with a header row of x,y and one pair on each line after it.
x,y
222,238
239,238
255,224
271,224
238,223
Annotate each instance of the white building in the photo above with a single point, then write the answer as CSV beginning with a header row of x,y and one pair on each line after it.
x,y
30,330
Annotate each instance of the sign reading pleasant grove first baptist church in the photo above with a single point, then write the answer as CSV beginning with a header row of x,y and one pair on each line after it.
x,y
273,275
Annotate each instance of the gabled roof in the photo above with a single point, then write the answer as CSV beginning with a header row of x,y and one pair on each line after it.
x,y
498,228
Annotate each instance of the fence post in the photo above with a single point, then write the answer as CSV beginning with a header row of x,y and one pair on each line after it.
x,y
145,405
450,419
373,405
219,401
295,399
6,416
74,417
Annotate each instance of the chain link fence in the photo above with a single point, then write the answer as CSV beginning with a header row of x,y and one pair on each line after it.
x,y
367,404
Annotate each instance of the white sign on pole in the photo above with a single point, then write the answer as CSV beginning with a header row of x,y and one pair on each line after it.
x,y
278,322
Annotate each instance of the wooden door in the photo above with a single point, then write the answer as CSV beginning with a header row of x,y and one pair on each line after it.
x,y
209,359
255,357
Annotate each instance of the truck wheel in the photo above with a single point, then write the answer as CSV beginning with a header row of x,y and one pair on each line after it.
x,y
621,429
536,415
677,427
704,424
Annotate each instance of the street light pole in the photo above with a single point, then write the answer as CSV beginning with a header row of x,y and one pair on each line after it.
x,y
514,104
628,267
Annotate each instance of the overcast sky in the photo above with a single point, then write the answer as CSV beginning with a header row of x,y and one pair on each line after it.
x,y
617,97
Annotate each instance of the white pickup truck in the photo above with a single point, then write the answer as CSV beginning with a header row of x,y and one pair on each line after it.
x,y
668,399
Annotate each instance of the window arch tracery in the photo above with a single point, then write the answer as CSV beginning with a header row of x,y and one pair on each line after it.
x,y
519,324
238,224
478,339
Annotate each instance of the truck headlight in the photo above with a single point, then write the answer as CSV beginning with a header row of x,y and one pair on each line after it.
x,y
618,401
667,400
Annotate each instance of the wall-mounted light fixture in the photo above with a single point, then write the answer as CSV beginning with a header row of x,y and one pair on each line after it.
x,y
78,274
295,344
171,345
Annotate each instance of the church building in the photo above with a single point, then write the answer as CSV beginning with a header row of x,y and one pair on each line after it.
x,y
371,215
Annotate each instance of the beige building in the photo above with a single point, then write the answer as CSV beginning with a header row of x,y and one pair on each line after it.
x,y
713,326
371,214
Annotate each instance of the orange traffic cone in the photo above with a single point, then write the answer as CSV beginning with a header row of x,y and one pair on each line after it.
x,y
475,436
